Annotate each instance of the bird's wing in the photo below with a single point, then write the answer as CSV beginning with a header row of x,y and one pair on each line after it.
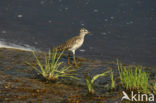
x,y
69,43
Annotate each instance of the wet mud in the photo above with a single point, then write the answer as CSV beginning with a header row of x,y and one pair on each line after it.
x,y
20,83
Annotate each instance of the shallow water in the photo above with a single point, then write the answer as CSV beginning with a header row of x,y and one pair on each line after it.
x,y
120,29
20,82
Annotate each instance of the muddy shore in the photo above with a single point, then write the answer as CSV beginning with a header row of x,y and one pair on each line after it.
x,y
19,83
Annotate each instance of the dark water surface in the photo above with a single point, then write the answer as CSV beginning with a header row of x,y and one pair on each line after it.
x,y
120,28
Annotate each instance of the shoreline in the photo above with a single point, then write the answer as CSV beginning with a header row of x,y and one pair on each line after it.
x,y
17,76
15,46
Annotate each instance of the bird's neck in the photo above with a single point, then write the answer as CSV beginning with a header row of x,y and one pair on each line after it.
x,y
82,35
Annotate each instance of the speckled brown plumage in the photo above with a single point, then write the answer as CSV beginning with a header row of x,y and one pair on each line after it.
x,y
69,43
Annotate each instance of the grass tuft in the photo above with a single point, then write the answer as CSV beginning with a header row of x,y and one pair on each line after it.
x,y
133,78
52,69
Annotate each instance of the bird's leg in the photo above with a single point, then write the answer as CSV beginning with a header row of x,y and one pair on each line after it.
x,y
76,65
68,58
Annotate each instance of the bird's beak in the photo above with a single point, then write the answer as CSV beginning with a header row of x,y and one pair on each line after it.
x,y
89,32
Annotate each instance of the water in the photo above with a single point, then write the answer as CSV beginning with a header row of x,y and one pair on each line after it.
x,y
120,29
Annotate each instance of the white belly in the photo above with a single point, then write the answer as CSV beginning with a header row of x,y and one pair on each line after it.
x,y
77,45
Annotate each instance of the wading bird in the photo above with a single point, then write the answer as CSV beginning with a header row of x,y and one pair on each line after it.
x,y
73,44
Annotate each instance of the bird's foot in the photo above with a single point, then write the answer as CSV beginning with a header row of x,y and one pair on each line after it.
x,y
76,65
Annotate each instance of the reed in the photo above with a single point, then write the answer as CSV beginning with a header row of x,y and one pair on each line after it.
x,y
52,69
133,78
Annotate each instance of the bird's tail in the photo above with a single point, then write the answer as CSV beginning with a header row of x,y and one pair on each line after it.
x,y
59,48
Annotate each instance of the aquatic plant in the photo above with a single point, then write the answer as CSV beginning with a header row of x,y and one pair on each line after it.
x,y
154,88
52,69
133,77
112,80
90,81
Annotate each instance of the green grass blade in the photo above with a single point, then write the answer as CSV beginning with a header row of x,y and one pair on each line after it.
x,y
99,75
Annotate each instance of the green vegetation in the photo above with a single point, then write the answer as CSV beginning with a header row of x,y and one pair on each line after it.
x,y
112,80
52,69
154,86
133,77
90,81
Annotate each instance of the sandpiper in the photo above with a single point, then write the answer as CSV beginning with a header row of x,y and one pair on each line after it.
x,y
73,44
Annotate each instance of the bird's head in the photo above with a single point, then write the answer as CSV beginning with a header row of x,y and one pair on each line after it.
x,y
84,31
